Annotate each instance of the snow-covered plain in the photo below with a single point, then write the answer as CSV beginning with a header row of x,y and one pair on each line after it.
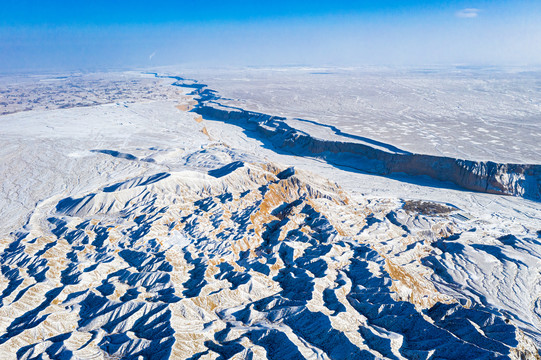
x,y
468,113
134,227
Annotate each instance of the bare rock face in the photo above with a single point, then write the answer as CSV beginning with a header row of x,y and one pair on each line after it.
x,y
245,261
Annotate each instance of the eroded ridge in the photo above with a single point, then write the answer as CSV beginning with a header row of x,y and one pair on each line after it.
x,y
368,155
245,261
484,176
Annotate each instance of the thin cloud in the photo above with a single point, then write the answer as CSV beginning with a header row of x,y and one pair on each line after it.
x,y
468,13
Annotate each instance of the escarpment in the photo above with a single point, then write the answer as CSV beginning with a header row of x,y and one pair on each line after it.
x,y
145,231
507,179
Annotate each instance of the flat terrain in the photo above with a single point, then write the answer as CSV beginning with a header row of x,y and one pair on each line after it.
x,y
477,114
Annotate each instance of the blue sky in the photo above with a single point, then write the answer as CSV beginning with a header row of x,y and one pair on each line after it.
x,y
110,34
100,12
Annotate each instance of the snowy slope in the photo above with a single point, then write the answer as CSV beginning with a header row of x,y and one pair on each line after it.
x,y
141,229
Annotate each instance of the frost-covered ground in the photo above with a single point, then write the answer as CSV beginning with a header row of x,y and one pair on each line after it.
x,y
134,227
468,113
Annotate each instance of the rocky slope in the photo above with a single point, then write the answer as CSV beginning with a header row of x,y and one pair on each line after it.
x,y
145,231
247,261
371,156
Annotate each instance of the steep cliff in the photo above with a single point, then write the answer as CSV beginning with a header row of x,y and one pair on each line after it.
x,y
508,179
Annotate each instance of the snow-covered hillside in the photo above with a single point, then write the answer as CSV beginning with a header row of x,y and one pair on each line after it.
x,y
173,226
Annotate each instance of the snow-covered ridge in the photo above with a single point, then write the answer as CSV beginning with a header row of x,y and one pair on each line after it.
x,y
498,178
246,261
507,179
144,231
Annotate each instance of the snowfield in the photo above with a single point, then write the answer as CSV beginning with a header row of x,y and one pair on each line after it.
x,y
482,114
186,223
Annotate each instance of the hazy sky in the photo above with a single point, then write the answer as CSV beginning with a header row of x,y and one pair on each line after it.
x,y
97,34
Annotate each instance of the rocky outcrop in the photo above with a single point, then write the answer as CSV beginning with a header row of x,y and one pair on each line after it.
x,y
507,179
246,261
201,251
